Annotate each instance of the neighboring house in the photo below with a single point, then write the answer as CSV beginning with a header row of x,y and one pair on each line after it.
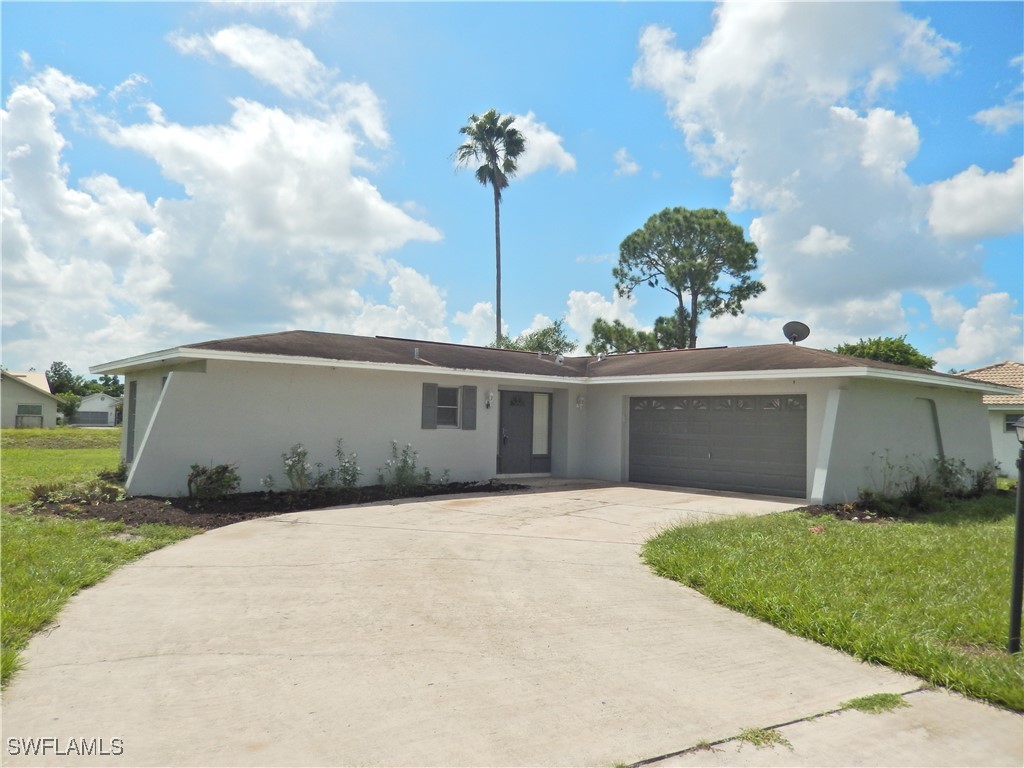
x,y
97,410
25,401
1003,410
780,420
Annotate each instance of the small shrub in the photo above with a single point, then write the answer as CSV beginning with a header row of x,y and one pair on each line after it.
x,y
399,473
297,468
212,482
92,492
118,475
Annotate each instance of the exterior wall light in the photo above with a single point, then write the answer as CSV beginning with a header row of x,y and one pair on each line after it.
x,y
579,402
488,400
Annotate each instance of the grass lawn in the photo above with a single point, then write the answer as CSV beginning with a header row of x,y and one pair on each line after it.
x,y
930,597
30,457
47,560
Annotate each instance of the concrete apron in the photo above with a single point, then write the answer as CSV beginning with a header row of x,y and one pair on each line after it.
x,y
490,631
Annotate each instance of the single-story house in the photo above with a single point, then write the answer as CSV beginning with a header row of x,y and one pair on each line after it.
x,y
1003,410
779,419
26,401
97,410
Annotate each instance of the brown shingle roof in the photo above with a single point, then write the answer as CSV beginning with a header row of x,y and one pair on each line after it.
x,y
1009,374
380,349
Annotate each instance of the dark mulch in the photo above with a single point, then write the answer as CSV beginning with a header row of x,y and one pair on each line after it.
x,y
237,507
853,512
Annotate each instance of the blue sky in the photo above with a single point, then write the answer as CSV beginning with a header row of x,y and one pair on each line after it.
x,y
177,172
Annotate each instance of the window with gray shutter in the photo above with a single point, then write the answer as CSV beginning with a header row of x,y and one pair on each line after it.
x,y
448,407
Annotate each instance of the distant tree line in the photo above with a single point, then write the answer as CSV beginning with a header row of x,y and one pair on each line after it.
x,y
70,387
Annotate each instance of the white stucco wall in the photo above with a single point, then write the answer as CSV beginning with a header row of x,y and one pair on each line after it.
x,y
885,430
13,393
249,414
1005,448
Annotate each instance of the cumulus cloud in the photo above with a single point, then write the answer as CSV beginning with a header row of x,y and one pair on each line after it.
x,y
624,164
279,226
302,14
1002,117
988,332
974,204
478,324
584,307
779,98
543,147
285,63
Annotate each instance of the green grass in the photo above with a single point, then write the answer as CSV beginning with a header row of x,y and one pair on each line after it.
x,y
764,739
929,597
29,457
46,560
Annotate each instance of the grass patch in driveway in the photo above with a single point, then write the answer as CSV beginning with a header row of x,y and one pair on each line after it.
x,y
929,597
46,560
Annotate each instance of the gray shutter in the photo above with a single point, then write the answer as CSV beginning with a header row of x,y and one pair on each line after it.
x,y
469,407
429,407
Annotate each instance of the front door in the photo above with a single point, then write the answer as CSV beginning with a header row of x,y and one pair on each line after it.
x,y
524,433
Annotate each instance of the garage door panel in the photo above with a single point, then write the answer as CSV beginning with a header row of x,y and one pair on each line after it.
x,y
754,444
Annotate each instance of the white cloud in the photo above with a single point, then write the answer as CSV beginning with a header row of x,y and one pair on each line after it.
x,y
543,147
974,204
1002,117
767,99
584,307
284,63
946,311
988,332
624,164
478,324
130,85
279,225
303,14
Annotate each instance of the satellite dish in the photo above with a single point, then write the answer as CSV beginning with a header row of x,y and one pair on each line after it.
x,y
795,331
559,359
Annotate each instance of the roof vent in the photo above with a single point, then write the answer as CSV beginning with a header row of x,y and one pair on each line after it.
x,y
601,356
416,352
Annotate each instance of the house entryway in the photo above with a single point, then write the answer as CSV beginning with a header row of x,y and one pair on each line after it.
x,y
524,433
748,444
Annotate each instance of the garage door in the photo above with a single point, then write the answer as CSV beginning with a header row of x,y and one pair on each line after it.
x,y
754,444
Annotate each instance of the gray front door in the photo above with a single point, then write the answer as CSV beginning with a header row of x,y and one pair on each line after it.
x,y
751,444
515,436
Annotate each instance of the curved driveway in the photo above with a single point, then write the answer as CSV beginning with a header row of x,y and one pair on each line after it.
x,y
488,631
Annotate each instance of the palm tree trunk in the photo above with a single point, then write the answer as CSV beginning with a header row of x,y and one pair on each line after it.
x,y
497,265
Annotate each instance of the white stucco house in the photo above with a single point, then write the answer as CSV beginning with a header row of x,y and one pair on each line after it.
x,y
26,401
780,419
97,410
1003,410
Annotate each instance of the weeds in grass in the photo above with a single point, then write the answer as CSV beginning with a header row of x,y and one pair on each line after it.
x,y
876,703
763,738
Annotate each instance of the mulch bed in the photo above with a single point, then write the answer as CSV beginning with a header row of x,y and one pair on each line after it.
x,y
238,507
853,513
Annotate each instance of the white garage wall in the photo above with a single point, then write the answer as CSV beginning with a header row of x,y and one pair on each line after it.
x,y
883,431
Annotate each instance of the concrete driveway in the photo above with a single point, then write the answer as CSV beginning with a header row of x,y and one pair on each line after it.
x,y
501,630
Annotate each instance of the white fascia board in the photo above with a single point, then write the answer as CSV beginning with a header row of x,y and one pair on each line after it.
x,y
807,373
182,354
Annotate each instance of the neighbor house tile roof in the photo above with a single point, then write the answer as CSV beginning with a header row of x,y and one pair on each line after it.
x,y
33,379
380,349
1009,374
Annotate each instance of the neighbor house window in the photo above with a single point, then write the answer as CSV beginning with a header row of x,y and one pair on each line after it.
x,y
1010,425
448,407
29,410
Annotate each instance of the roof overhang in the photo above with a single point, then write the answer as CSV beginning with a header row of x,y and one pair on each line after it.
x,y
182,355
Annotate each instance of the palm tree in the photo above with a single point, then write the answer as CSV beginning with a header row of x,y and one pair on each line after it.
x,y
496,145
